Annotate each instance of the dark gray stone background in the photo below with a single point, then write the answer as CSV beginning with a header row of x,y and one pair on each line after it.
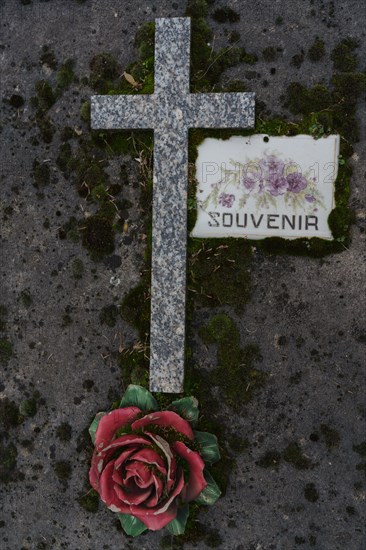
x,y
321,301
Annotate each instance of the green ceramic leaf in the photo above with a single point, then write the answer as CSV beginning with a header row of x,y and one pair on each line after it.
x,y
187,408
94,425
178,525
211,493
137,396
209,446
131,525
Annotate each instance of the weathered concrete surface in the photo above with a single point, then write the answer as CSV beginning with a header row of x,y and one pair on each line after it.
x,y
316,370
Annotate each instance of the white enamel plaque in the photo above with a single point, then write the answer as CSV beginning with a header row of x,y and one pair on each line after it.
x,y
261,186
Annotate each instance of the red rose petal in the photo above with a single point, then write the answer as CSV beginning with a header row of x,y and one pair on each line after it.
x,y
157,518
139,471
151,457
100,459
155,497
107,492
165,447
196,482
167,419
112,422
132,497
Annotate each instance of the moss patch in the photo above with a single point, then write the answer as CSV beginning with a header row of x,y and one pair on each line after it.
x,y
234,375
9,414
311,493
109,315
344,57
293,455
98,236
63,469
217,268
89,501
8,461
64,431
6,351
317,50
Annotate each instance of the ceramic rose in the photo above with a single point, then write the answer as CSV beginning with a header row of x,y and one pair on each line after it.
x,y
149,464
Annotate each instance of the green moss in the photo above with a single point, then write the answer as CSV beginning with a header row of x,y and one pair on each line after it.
x,y
343,56
16,101
6,351
48,58
145,41
216,269
70,230
270,53
88,168
89,501
317,50
41,174
64,431
235,376
45,126
293,455
9,414
25,298
66,320
234,37
63,469
28,407
8,461
103,71
67,133
85,111
3,317
226,15
77,268
134,365
45,95
271,459
196,8
135,307
297,59
66,75
360,449
65,159
98,236
109,315
100,194
348,87
331,436
311,493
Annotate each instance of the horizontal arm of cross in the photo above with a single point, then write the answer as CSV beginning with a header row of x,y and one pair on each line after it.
x,y
226,110
122,112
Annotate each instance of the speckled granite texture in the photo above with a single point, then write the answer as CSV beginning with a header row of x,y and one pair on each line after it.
x,y
171,111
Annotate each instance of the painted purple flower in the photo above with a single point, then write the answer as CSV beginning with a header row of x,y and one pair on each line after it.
x,y
277,185
296,182
249,182
227,200
310,198
271,167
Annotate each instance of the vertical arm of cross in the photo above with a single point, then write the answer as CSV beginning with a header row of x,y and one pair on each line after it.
x,y
168,276
172,56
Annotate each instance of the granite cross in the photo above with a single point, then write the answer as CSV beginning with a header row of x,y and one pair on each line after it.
x,y
171,110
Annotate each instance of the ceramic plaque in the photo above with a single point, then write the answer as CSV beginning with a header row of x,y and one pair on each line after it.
x,y
260,186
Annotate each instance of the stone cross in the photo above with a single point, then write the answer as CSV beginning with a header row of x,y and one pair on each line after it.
x,y
171,110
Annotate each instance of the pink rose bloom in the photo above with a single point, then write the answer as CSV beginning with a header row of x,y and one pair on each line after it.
x,y
139,464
